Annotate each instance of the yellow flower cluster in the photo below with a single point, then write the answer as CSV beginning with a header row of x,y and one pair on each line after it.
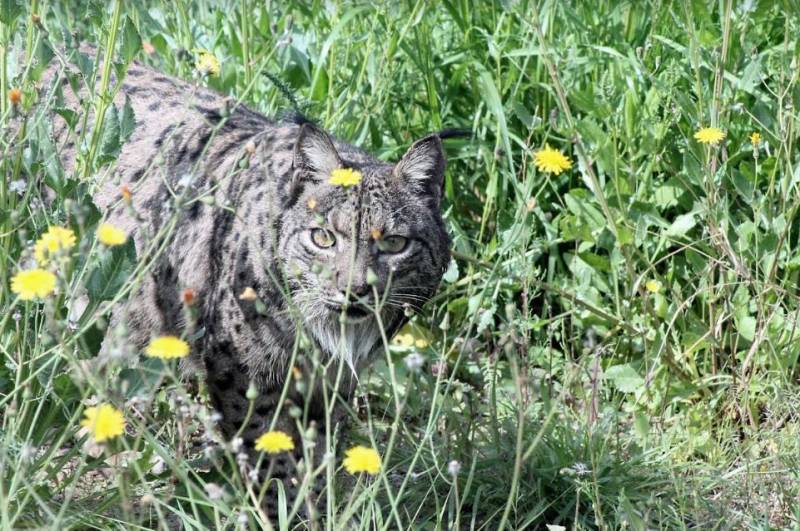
x,y
207,63
167,348
274,442
653,286
33,284
362,459
709,135
551,160
55,241
357,459
345,177
408,340
103,422
109,235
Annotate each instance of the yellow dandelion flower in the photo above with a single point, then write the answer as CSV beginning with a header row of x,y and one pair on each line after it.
x,y
551,161
709,135
52,242
345,177
404,340
653,286
167,347
274,442
362,459
33,284
421,343
104,422
207,64
755,139
110,235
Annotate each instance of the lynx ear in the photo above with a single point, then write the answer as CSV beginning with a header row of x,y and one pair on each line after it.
x,y
422,166
314,153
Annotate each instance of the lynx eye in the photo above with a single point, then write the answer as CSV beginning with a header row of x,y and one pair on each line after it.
x,y
323,238
392,244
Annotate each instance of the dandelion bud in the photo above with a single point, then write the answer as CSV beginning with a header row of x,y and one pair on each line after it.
x,y
188,296
252,392
126,194
236,444
305,343
311,433
453,468
248,294
15,96
300,387
372,278
295,412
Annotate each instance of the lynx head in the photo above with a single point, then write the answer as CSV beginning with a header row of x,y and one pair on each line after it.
x,y
378,246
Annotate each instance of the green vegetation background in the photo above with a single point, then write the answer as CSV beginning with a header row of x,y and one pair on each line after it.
x,y
614,346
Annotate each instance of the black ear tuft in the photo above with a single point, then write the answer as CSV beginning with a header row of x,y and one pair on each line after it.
x,y
314,153
423,166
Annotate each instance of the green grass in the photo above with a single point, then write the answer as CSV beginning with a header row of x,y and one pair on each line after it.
x,y
614,346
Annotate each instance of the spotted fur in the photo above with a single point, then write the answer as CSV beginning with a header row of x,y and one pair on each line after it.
x,y
230,196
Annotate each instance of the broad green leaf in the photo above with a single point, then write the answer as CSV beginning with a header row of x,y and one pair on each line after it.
x,y
682,224
127,122
745,323
9,11
624,377
109,141
115,267
451,275
131,41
